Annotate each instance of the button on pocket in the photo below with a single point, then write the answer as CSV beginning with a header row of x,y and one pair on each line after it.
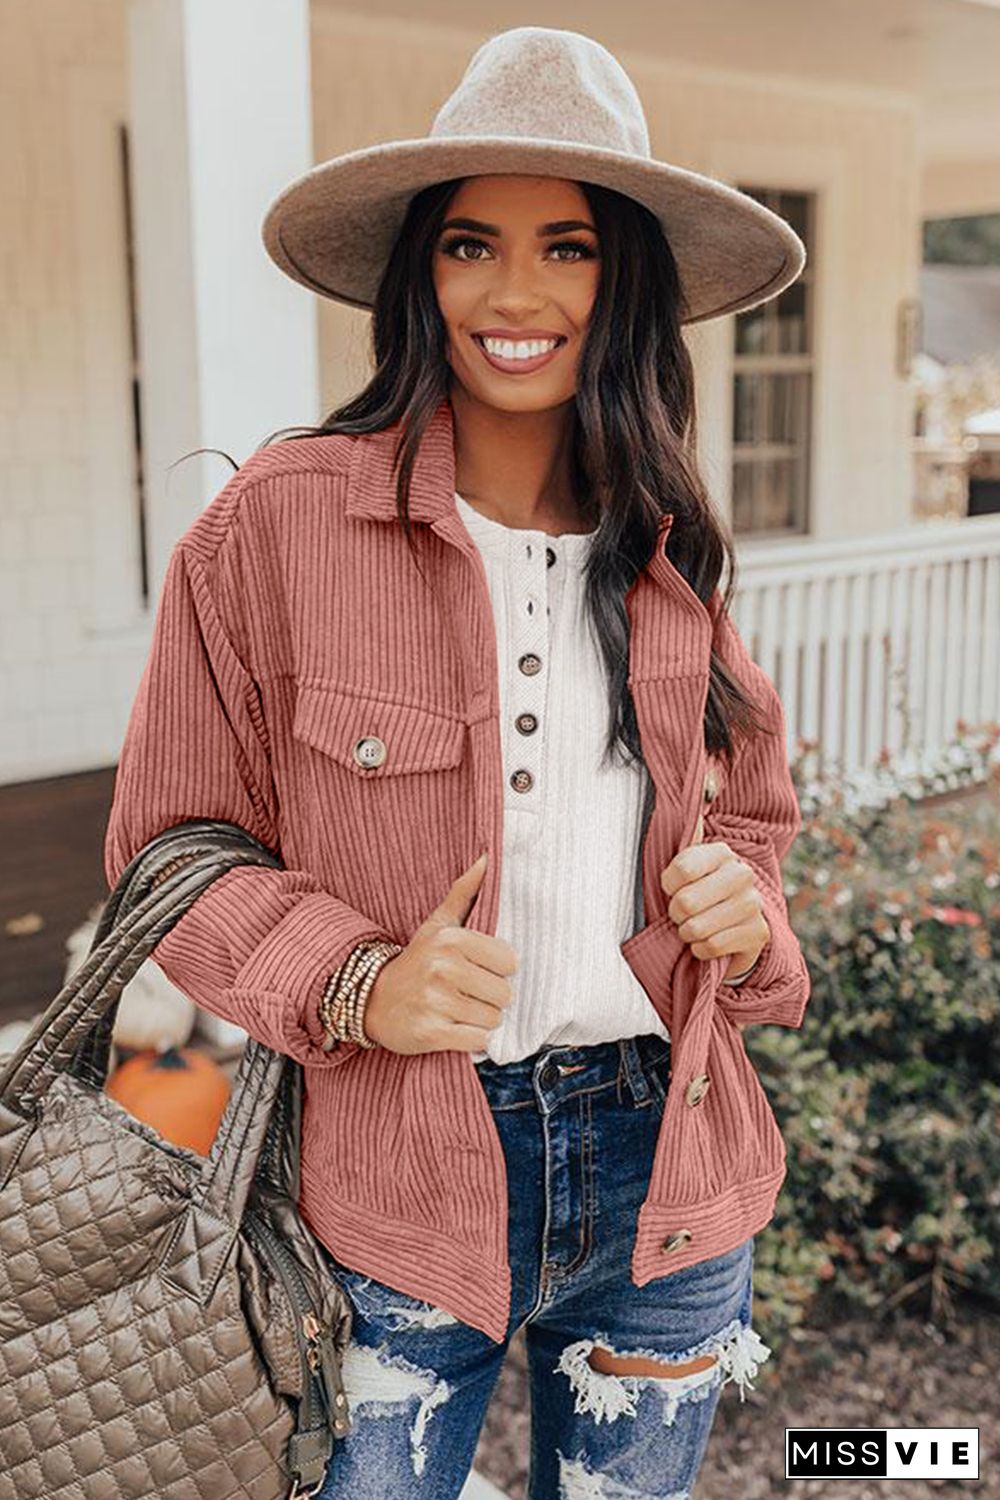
x,y
370,751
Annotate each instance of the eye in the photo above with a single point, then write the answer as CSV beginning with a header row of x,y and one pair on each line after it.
x,y
452,247
586,251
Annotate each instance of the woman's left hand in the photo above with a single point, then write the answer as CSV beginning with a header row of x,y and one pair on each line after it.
x,y
716,904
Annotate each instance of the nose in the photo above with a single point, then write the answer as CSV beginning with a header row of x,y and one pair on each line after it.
x,y
513,286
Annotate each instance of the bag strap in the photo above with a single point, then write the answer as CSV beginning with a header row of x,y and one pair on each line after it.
x,y
51,1047
147,868
279,1164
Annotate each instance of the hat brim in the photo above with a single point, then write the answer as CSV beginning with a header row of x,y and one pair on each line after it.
x,y
332,228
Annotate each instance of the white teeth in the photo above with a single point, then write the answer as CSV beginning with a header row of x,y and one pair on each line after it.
x,y
523,349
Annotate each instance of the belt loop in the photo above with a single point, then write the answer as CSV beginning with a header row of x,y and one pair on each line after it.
x,y
632,1071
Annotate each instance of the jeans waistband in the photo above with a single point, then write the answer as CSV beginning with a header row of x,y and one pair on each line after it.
x,y
555,1073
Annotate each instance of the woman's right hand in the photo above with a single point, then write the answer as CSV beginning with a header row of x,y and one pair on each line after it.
x,y
447,989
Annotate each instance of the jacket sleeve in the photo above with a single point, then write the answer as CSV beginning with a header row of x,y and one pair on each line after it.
x,y
258,944
757,813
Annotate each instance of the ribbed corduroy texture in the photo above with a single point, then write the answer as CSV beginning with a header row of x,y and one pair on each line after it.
x,y
293,622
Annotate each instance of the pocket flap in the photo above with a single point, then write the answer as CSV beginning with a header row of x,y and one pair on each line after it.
x,y
335,721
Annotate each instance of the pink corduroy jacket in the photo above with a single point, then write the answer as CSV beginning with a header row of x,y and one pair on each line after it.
x,y
293,623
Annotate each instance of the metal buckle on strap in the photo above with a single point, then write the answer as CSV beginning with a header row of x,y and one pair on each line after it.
x,y
295,1493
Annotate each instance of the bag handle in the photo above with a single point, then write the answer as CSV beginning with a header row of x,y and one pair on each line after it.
x,y
145,870
221,1189
279,1162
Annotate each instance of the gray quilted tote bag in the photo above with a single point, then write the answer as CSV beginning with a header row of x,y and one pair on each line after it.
x,y
168,1325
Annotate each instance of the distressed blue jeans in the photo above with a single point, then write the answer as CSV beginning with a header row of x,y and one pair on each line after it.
x,y
578,1127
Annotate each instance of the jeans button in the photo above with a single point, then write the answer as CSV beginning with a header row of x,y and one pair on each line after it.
x,y
549,1076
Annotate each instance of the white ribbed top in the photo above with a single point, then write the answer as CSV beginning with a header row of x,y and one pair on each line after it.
x,y
571,840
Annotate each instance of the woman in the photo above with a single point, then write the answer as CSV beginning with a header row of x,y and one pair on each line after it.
x,y
527,1100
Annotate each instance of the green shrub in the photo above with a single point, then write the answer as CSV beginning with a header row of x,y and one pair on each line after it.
x,y
888,1096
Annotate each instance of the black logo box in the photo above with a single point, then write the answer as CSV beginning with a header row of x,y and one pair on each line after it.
x,y
863,1452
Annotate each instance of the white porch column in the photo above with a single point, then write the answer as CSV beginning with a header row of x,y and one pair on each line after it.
x,y
221,119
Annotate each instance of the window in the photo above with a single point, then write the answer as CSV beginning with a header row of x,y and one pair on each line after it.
x,y
773,372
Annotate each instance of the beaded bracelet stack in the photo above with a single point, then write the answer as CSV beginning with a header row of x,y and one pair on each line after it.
x,y
342,1007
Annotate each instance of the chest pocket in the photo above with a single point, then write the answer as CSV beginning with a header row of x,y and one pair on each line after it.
x,y
375,738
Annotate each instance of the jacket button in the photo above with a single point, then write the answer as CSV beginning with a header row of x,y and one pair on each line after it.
x,y
711,784
369,751
530,663
526,723
674,1241
697,1089
522,781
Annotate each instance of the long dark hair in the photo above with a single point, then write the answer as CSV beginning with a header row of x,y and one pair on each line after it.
x,y
634,428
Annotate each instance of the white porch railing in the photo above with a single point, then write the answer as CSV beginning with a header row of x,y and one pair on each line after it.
x,y
879,642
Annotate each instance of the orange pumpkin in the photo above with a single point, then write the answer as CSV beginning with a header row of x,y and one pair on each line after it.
x,y
181,1093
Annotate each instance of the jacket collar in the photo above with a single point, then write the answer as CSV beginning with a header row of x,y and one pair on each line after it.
x,y
372,486
372,495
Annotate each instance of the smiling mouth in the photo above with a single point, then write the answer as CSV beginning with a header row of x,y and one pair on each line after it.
x,y
519,364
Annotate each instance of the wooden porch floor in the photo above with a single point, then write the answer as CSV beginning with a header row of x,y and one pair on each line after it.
x,y
52,864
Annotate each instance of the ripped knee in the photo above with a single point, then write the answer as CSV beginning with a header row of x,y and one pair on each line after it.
x,y
608,1382
606,1363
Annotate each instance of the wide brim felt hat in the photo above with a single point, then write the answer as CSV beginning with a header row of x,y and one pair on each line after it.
x,y
542,102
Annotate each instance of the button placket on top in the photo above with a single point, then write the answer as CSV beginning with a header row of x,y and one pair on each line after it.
x,y
527,672
534,570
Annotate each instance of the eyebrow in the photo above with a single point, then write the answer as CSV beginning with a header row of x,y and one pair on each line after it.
x,y
556,226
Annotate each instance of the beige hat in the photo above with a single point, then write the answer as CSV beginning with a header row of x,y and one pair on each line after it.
x,y
547,103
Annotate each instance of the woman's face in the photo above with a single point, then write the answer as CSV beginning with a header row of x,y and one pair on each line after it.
x,y
523,267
